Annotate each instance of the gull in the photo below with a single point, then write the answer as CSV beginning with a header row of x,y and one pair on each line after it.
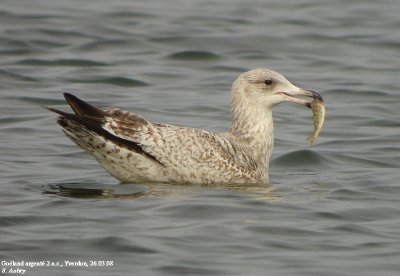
x,y
135,150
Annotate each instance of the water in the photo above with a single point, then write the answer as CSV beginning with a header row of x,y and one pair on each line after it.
x,y
332,209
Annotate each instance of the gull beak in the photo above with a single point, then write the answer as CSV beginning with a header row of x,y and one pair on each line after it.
x,y
291,96
312,94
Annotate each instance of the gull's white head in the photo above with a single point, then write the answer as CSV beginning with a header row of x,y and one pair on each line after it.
x,y
266,88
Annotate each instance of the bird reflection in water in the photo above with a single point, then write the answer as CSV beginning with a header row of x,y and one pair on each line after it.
x,y
133,191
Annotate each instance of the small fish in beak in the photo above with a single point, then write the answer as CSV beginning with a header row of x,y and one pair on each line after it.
x,y
318,109
317,106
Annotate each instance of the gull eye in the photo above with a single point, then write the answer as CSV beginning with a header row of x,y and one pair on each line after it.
x,y
268,82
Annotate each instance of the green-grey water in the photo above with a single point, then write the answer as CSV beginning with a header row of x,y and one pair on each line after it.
x,y
332,208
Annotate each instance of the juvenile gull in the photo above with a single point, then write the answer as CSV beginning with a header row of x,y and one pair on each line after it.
x,y
133,149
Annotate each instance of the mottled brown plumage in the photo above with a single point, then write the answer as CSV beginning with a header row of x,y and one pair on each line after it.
x,y
133,149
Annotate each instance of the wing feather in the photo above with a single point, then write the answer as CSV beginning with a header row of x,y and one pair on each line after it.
x,y
93,120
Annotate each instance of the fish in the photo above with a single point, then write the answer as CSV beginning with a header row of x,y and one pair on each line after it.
x,y
318,109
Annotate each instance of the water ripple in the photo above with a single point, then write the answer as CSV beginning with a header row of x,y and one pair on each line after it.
x,y
118,81
61,62
303,158
194,55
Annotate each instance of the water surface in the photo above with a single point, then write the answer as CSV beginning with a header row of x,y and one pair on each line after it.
x,y
331,209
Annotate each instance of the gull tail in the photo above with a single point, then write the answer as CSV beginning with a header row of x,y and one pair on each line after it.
x,y
83,108
87,122
85,115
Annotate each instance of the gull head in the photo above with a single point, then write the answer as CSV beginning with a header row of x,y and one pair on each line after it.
x,y
266,88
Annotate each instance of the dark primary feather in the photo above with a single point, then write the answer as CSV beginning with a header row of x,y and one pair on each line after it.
x,y
83,108
93,119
